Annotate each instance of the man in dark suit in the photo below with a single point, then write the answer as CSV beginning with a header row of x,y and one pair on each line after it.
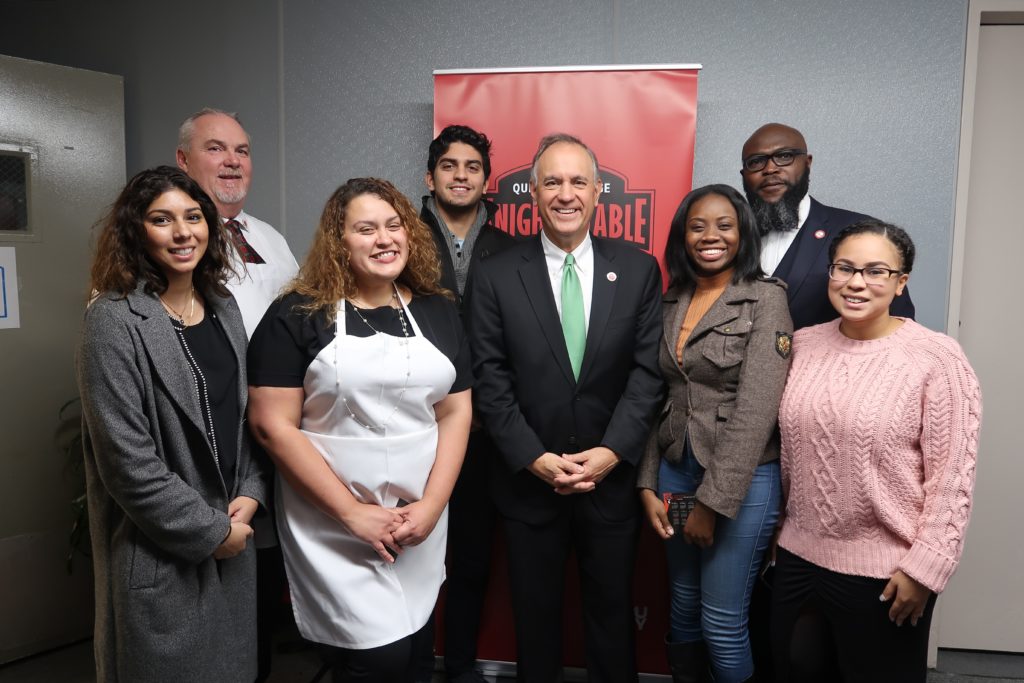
x,y
462,224
564,330
796,229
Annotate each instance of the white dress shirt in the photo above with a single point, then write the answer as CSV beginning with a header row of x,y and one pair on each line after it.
x,y
258,284
554,259
775,244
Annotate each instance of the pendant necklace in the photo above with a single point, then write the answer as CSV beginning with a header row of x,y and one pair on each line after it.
x,y
408,362
191,307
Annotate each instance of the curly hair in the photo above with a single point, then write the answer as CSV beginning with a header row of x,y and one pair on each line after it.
x,y
121,262
326,277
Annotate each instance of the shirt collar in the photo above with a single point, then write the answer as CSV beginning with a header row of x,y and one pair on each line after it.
x,y
555,257
803,210
241,218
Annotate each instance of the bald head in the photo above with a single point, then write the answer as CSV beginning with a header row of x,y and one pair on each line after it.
x,y
776,170
774,159
774,136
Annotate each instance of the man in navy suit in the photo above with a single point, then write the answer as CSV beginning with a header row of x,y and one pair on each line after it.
x,y
796,229
564,329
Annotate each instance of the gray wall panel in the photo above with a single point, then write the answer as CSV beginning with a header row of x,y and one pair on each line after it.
x,y
875,86
175,58
73,120
359,86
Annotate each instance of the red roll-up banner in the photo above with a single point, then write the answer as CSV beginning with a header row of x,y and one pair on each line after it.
x,y
640,121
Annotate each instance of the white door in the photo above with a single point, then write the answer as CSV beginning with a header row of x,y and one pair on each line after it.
x,y
983,606
61,164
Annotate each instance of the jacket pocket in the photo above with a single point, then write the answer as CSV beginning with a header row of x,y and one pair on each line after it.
x,y
726,344
144,563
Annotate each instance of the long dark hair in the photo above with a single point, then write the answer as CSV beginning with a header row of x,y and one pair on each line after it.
x,y
746,265
121,262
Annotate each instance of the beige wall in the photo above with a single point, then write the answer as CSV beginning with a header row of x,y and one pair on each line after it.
x,y
980,609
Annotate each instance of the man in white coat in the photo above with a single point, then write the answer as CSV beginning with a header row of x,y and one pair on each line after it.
x,y
215,151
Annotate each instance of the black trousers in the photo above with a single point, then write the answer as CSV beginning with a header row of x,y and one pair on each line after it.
x,y
271,584
537,557
471,522
829,627
407,660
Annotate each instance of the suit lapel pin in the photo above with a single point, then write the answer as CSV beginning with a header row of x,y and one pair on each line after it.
x,y
612,277
819,234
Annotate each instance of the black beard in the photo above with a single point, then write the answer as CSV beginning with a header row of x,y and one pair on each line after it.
x,y
783,215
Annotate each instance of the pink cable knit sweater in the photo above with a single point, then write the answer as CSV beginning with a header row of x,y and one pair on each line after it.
x,y
879,442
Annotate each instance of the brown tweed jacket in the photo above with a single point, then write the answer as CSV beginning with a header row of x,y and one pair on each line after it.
x,y
725,395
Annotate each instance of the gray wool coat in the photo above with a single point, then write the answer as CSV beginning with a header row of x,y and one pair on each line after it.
x,y
725,396
165,609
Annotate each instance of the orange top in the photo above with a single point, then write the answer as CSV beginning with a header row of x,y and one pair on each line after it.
x,y
704,296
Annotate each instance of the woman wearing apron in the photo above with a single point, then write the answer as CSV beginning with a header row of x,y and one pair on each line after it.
x,y
360,393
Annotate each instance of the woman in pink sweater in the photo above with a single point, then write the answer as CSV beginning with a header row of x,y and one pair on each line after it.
x,y
879,420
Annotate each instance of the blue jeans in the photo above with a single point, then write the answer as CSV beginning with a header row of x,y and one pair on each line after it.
x,y
711,587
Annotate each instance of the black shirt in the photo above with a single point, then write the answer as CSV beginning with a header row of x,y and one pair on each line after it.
x,y
288,338
209,348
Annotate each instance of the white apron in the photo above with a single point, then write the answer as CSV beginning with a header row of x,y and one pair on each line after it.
x,y
343,593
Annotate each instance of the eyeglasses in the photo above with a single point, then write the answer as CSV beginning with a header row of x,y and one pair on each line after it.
x,y
873,275
781,157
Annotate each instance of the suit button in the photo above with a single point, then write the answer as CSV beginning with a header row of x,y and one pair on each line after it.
x,y
572,440
688,412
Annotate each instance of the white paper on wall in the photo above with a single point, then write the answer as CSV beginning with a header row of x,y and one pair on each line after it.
x,y
9,317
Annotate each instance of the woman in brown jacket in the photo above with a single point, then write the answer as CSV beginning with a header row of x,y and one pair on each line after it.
x,y
724,359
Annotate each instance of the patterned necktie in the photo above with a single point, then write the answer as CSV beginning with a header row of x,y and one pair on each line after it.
x,y
574,326
242,246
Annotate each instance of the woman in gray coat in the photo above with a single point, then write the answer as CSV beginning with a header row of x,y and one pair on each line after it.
x,y
724,358
171,485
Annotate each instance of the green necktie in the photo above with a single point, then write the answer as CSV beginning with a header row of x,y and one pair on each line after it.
x,y
573,322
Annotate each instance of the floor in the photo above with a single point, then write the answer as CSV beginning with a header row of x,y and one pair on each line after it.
x,y
297,664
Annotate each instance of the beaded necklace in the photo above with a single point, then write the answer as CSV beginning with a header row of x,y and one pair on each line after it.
x,y
201,390
408,364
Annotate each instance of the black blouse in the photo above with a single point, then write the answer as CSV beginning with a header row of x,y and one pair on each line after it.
x,y
288,339
208,350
